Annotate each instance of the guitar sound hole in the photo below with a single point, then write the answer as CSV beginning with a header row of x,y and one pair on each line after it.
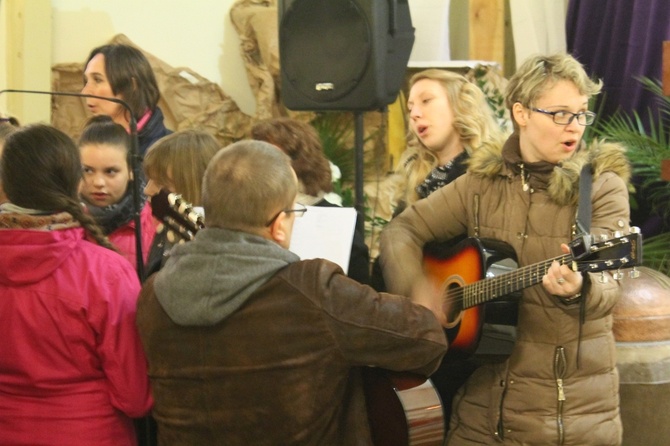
x,y
454,304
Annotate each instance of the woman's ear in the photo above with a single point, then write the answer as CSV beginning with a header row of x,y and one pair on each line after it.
x,y
520,114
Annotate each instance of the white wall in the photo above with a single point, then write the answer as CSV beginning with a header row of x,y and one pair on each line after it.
x,y
197,34
430,19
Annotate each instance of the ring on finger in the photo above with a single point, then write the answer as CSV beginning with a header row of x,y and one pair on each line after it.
x,y
560,281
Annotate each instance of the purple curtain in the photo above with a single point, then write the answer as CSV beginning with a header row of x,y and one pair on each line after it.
x,y
619,41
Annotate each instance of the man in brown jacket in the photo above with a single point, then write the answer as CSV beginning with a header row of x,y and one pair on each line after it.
x,y
248,345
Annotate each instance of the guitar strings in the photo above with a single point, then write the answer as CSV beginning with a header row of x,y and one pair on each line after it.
x,y
521,278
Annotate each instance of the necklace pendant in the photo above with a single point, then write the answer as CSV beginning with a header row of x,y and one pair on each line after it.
x,y
525,187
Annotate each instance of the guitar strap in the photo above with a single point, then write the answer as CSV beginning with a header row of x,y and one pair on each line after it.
x,y
584,227
584,210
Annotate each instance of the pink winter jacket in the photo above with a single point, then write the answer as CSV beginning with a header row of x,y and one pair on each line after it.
x,y
72,369
124,237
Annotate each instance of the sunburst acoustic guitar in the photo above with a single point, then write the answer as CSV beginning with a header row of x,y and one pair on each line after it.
x,y
478,275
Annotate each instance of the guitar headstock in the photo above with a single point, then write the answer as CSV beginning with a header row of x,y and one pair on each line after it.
x,y
620,251
177,215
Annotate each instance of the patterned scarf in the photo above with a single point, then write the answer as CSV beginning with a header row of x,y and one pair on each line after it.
x,y
22,220
442,175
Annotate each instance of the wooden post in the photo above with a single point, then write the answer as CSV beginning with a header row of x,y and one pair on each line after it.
x,y
487,30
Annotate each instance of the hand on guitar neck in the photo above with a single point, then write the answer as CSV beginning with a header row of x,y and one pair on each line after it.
x,y
561,280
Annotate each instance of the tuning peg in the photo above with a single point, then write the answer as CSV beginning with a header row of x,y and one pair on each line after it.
x,y
635,230
603,278
617,234
617,275
634,273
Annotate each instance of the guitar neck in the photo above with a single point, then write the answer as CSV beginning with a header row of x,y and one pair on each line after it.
x,y
490,289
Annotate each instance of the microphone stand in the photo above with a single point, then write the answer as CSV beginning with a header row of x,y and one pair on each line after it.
x,y
135,162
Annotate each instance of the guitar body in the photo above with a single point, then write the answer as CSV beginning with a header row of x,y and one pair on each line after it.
x,y
403,409
452,266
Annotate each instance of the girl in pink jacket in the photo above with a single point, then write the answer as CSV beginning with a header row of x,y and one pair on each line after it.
x,y
106,187
72,369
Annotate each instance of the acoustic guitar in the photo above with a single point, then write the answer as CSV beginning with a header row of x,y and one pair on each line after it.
x,y
475,274
178,215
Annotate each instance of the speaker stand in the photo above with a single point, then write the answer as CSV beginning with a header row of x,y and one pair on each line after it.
x,y
358,166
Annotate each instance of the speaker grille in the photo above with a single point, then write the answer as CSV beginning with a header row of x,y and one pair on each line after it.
x,y
325,48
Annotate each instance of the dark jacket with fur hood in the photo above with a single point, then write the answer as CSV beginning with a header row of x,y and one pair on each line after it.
x,y
560,385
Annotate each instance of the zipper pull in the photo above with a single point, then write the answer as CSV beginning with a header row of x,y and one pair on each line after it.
x,y
525,185
561,392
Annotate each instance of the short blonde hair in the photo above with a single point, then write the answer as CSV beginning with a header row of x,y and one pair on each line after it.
x,y
246,183
539,73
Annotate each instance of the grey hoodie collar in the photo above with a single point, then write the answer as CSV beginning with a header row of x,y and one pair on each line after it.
x,y
207,279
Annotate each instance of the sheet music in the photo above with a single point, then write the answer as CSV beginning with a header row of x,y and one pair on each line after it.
x,y
326,233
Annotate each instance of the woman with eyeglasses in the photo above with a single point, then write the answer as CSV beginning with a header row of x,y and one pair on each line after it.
x,y
560,383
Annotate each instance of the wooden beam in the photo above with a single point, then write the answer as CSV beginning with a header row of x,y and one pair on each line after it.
x,y
487,30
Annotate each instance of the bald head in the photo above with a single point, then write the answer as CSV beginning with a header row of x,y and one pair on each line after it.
x,y
245,184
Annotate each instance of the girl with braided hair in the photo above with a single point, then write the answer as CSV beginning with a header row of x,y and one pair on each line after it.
x,y
72,369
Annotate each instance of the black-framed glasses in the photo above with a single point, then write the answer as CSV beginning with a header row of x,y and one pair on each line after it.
x,y
299,211
563,117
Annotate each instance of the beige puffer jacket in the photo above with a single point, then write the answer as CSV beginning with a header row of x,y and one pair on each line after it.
x,y
560,385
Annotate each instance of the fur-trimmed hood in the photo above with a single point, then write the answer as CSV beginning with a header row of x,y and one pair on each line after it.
x,y
563,180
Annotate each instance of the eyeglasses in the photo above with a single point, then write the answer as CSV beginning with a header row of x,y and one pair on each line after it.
x,y
563,117
299,211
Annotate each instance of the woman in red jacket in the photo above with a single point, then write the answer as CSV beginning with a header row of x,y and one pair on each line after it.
x,y
106,187
72,369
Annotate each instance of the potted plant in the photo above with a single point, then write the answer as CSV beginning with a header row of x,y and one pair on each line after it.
x,y
648,149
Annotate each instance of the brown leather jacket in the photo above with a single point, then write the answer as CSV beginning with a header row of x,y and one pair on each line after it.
x,y
284,368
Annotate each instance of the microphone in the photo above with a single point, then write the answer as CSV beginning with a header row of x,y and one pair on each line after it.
x,y
135,164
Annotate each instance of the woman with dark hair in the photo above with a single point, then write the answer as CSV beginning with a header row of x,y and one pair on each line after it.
x,y
106,187
123,72
72,369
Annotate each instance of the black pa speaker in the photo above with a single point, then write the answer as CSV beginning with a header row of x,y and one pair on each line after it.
x,y
343,54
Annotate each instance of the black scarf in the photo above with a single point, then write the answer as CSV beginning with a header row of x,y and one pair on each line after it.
x,y
112,217
443,175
